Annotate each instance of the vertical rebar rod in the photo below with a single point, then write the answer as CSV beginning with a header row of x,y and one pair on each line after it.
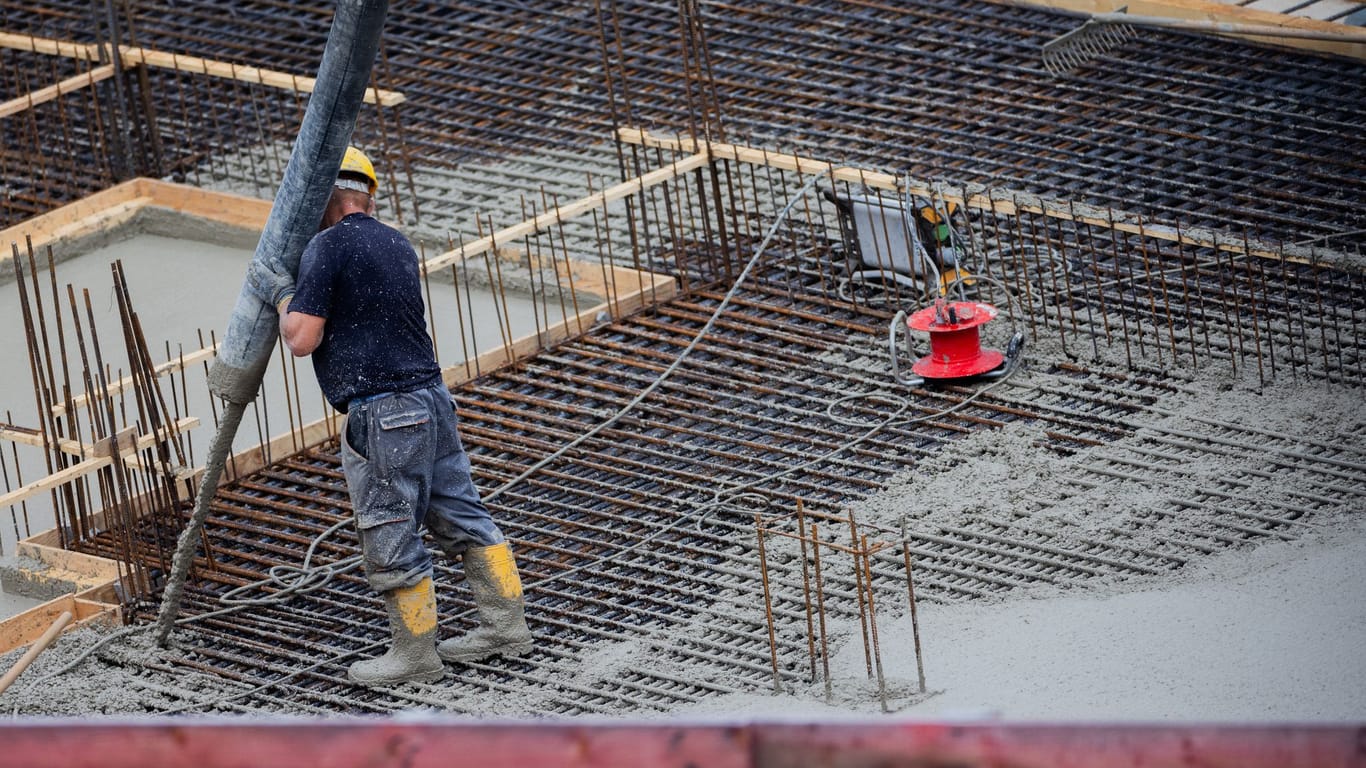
x,y
915,621
532,252
289,408
1252,307
1123,313
35,371
1234,327
1022,270
768,604
427,293
1186,305
858,589
820,609
1166,301
1323,318
867,556
806,589
1100,293
1150,288
568,270
1294,311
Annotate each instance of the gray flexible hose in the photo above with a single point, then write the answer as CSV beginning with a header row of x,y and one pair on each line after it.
x,y
253,327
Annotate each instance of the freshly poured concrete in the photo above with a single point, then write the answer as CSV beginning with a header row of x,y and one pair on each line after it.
x,y
12,604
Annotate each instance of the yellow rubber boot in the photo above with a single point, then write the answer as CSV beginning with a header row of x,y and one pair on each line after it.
x,y
492,575
412,653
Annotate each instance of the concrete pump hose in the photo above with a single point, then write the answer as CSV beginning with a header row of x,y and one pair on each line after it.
x,y
253,327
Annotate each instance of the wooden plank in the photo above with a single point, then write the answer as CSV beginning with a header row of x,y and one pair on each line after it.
x,y
44,228
78,470
1222,13
1002,202
234,210
243,73
28,626
54,480
565,212
51,47
120,443
188,64
659,288
43,95
22,435
87,606
106,219
171,366
89,570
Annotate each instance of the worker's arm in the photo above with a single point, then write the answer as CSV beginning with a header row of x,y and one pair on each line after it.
x,y
301,331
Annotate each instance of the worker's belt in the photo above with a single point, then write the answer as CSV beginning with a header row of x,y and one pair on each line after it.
x,y
355,401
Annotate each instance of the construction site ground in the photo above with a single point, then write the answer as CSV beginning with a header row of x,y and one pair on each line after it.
x,y
1155,516
1269,634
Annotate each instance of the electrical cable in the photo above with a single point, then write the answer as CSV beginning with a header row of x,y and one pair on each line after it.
x,y
303,579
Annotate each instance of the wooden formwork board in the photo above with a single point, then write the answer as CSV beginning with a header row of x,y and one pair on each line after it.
x,y
107,209
131,56
1219,13
619,291
97,605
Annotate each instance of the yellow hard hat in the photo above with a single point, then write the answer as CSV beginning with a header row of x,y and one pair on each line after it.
x,y
355,161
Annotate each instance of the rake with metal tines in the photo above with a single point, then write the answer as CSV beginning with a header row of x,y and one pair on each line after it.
x,y
1104,32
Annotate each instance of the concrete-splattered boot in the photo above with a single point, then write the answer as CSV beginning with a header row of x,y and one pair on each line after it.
x,y
502,631
412,652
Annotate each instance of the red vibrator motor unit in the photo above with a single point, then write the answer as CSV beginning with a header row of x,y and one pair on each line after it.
x,y
956,351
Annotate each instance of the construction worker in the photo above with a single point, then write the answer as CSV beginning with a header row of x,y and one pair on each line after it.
x,y
357,309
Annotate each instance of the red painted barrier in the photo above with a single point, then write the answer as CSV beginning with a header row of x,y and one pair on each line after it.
x,y
419,742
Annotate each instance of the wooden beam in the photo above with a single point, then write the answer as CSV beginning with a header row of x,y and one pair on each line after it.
x,y
171,366
243,73
999,201
1339,39
22,628
81,469
132,56
45,228
110,207
64,48
43,95
568,211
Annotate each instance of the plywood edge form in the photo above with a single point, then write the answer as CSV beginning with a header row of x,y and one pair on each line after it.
x,y
93,596
85,571
1219,13
107,209
23,628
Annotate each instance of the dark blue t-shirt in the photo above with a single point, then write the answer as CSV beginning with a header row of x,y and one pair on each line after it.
x,y
363,277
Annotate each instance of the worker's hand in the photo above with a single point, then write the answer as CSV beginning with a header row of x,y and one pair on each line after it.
x,y
268,285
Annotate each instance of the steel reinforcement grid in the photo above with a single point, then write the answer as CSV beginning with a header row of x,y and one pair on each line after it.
x,y
1173,126
639,545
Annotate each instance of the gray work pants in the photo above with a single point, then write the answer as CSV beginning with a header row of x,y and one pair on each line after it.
x,y
405,468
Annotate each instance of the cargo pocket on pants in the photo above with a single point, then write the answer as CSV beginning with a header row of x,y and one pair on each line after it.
x,y
403,436
375,499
